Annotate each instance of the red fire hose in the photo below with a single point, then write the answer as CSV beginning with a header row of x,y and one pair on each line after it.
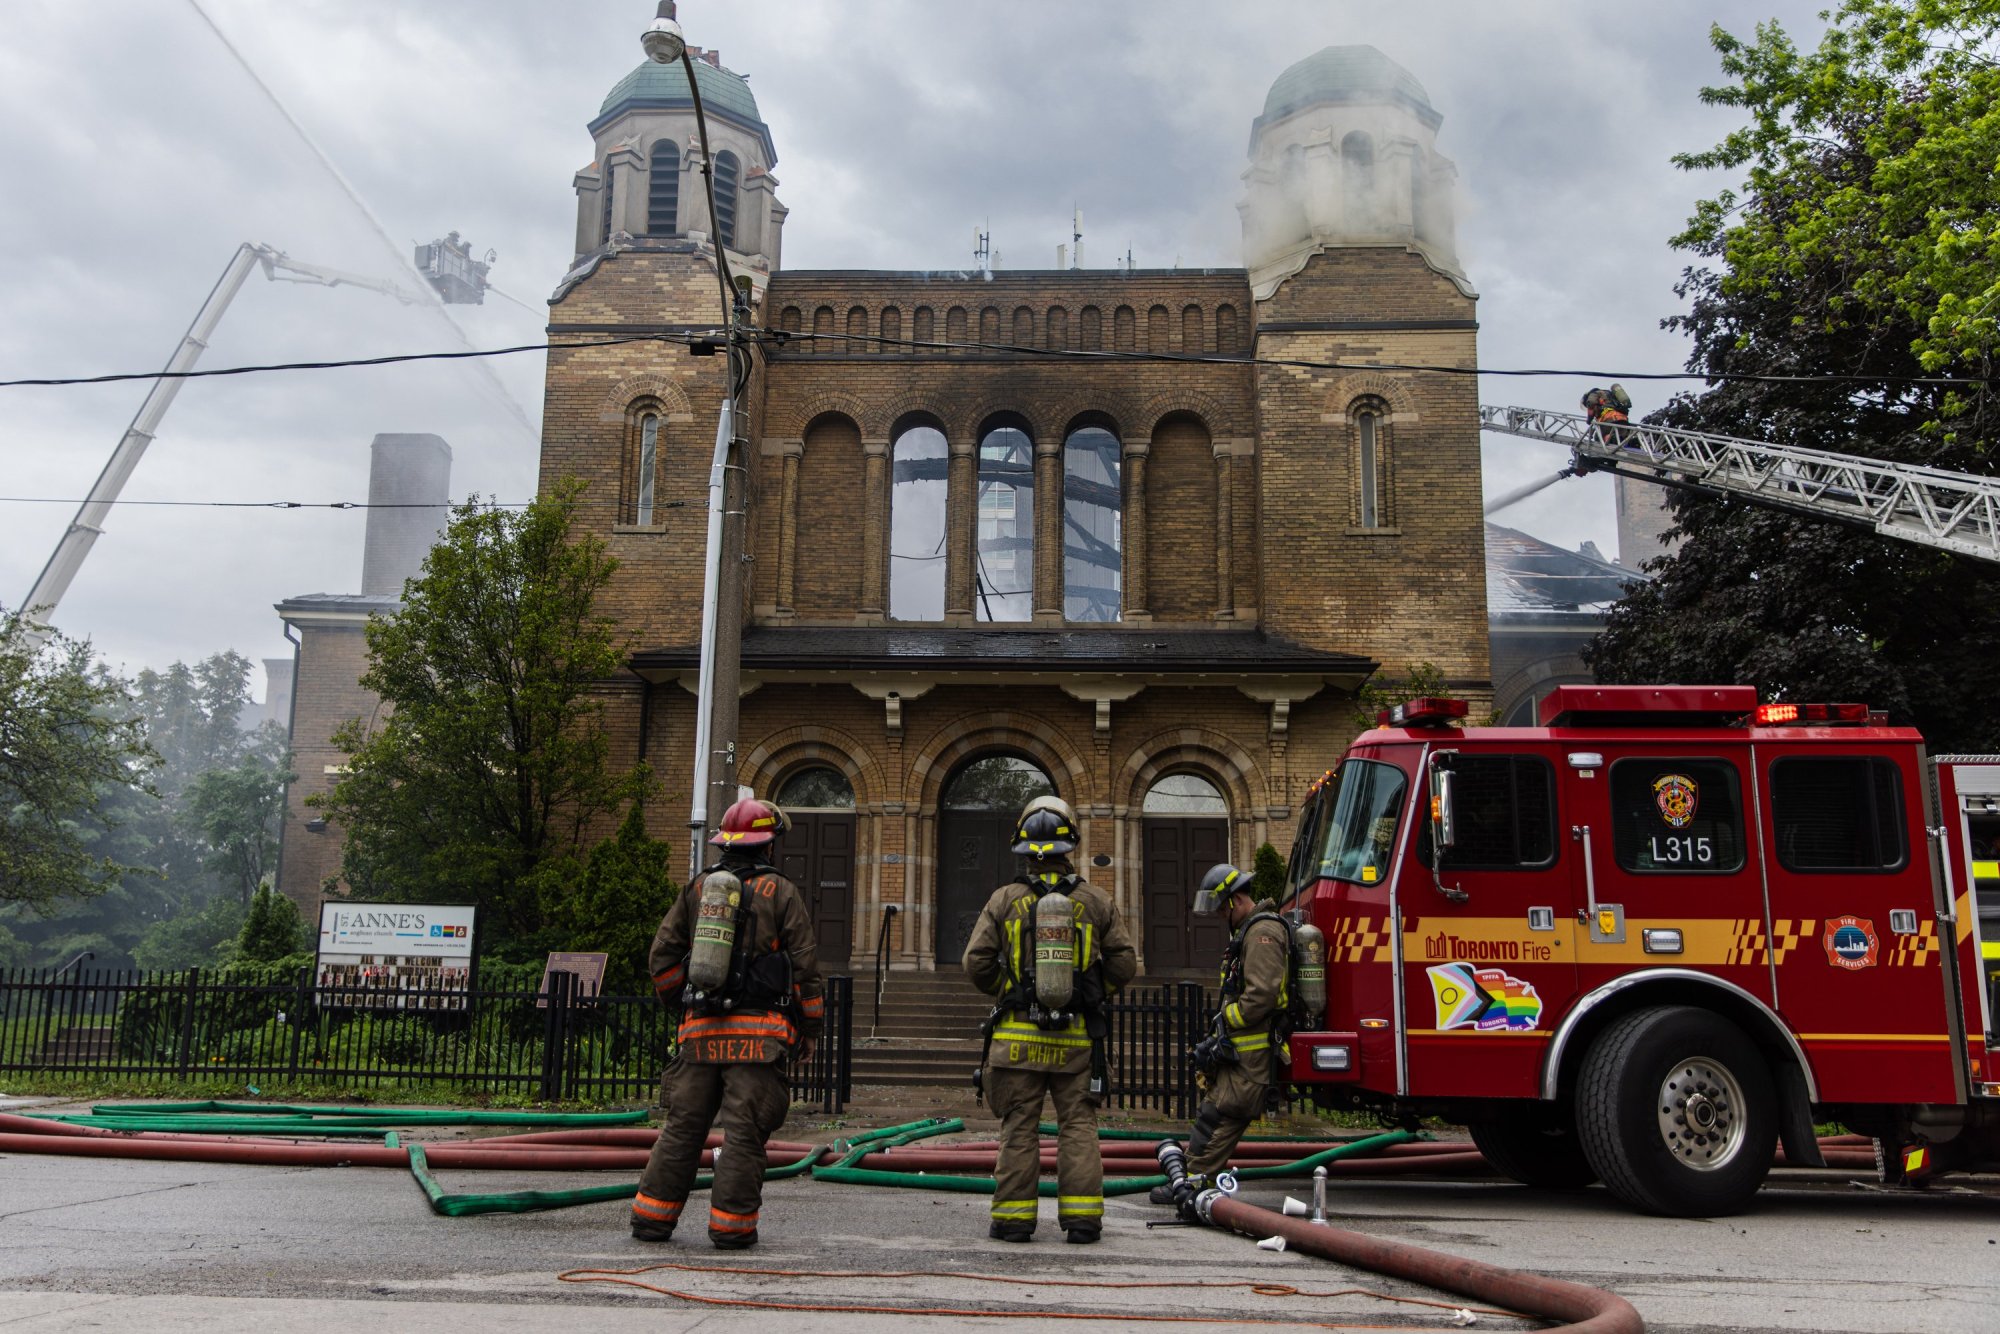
x,y
1589,1310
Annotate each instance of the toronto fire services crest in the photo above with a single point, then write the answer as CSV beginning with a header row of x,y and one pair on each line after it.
x,y
1675,795
1851,942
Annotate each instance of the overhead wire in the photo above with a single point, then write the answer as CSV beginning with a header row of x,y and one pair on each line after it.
x,y
298,504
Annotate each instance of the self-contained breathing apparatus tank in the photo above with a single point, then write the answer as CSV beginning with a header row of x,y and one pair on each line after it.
x,y
714,944
1309,972
1055,950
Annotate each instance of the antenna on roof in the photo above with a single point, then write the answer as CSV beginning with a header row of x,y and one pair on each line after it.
x,y
1076,237
982,250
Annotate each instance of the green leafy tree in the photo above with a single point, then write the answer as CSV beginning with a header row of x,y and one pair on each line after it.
x,y
492,760
1267,877
613,902
196,938
272,929
68,738
237,812
1862,245
1422,681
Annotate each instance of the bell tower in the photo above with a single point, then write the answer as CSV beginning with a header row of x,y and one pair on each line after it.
x,y
645,184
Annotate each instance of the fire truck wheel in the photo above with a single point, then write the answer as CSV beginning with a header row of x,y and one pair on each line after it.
x,y
1534,1154
1676,1112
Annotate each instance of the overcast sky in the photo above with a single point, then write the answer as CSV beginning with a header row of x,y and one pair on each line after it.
x,y
137,154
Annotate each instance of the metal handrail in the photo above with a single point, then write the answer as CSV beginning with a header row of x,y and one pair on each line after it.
x,y
76,963
889,911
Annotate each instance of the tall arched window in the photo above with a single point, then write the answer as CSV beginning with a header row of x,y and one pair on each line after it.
x,y
822,339
1357,179
1093,525
1090,329
649,467
728,175
922,330
918,485
1157,330
1058,328
1192,338
857,329
1123,321
1004,528
1024,327
989,325
604,197
1371,465
1225,329
954,325
892,330
663,188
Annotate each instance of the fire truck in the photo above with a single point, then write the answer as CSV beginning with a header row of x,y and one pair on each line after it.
x,y
1658,935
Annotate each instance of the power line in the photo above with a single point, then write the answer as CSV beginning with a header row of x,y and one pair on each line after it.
x,y
296,504
394,359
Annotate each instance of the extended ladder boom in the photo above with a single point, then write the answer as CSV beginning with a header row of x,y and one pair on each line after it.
x,y
1933,507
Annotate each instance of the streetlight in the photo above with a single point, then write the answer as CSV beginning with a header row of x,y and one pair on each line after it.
x,y
722,581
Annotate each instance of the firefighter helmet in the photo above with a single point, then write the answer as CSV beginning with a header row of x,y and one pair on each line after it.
x,y
1052,802
1217,887
748,824
1044,835
784,825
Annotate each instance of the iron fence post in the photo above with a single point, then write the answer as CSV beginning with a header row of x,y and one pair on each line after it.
x,y
188,1002
555,1034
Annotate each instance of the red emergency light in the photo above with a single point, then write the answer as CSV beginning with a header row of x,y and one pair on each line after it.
x,y
1771,715
1427,712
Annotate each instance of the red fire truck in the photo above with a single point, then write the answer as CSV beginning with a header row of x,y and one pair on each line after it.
x,y
1653,937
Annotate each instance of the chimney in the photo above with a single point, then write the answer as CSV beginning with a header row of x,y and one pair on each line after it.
x,y
409,491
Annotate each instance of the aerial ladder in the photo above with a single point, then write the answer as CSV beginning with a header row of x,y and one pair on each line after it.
x,y
1933,507
84,530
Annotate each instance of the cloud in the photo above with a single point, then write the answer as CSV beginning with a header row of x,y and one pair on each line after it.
x,y
141,156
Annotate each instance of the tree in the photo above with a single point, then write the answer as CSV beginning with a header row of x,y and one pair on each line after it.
x,y
492,760
1863,245
67,739
271,929
614,904
194,938
1425,680
1267,877
237,813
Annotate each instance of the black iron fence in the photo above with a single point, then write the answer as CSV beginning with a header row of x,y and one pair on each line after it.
x,y
1152,1031
550,1044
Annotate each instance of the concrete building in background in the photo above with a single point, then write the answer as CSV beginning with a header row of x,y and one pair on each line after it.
x,y
409,494
978,571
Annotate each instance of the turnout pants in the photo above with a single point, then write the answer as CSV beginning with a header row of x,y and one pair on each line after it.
x,y
1235,1098
1016,1096
749,1102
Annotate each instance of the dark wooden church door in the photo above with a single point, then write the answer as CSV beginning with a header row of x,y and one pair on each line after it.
x,y
1178,852
818,857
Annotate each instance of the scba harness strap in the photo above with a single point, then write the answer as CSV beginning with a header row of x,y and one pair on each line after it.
x,y
1087,1000
756,981
1283,1021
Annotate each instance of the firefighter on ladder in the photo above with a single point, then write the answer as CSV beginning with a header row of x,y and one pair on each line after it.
x,y
1607,410
1052,950
736,952
1235,1063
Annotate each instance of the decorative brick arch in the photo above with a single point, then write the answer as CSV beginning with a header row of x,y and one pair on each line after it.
x,y
1218,419
967,426
1115,406
671,396
999,730
792,425
1183,748
1356,385
883,419
779,754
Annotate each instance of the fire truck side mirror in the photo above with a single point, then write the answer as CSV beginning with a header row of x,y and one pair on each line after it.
x,y
1444,826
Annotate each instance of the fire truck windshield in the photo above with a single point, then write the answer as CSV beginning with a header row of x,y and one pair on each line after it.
x,y
1363,809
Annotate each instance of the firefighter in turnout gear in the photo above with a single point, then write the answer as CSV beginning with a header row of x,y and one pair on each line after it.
x,y
736,953
1236,1061
1052,950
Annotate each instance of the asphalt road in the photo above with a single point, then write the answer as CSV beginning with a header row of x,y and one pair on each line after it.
x,y
99,1244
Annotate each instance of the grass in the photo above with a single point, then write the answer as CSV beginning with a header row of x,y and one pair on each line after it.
x,y
101,1088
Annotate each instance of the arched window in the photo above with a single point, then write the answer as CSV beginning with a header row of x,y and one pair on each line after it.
x,y
663,187
1123,323
1024,327
822,340
820,788
1374,497
1004,528
857,329
1357,179
954,325
1184,794
1157,333
728,175
1000,783
918,486
604,197
922,330
989,325
1225,329
792,320
649,467
1093,525
1192,339
1058,330
892,330
1090,329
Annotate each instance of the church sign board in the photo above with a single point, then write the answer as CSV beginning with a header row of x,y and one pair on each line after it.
x,y
395,956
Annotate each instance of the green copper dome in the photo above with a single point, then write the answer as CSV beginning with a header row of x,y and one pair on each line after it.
x,y
1344,74
653,85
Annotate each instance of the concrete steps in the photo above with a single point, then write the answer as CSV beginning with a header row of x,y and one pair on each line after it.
x,y
77,1045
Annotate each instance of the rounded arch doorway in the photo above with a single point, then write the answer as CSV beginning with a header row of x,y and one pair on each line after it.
x,y
976,815
818,855
1184,830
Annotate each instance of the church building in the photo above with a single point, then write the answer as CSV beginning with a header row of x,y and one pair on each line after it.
x,y
978,572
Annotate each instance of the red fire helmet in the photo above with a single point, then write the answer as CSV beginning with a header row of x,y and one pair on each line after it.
x,y
748,824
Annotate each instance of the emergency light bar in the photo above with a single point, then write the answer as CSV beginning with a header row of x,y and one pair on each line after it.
x,y
1773,714
1426,712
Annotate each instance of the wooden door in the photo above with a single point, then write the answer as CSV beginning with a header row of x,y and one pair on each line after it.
x,y
1178,852
818,857
975,857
